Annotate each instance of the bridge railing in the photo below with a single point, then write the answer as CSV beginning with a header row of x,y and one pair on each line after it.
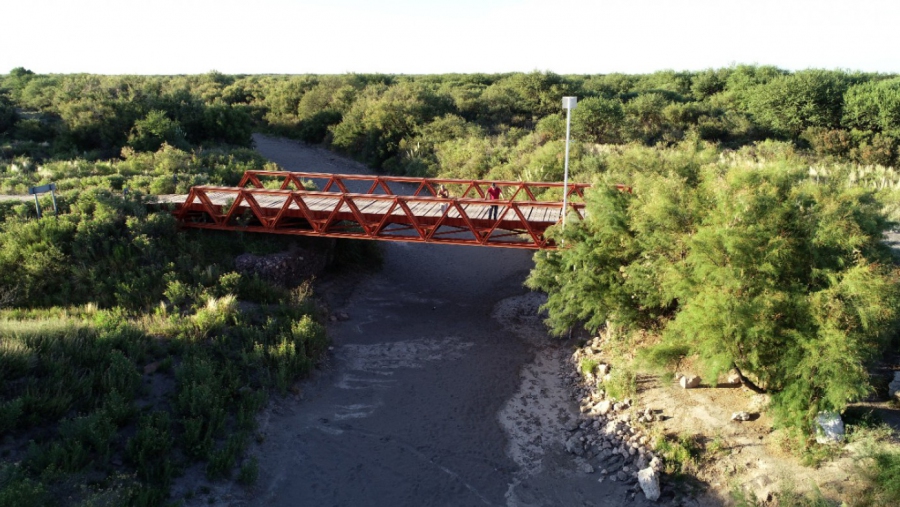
x,y
422,218
404,185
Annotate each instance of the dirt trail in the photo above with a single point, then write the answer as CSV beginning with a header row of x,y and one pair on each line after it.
x,y
441,389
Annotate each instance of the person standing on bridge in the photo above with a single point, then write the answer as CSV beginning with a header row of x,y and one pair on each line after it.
x,y
443,193
493,194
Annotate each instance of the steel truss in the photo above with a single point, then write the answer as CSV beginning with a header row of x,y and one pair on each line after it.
x,y
380,213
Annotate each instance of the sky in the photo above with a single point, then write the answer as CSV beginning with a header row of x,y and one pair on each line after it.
x,y
445,36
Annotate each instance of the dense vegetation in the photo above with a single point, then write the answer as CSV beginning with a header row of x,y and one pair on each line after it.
x,y
751,241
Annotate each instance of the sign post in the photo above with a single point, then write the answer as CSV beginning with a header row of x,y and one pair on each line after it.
x,y
50,187
569,104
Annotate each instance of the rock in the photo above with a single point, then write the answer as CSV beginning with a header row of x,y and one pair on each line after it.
x,y
762,488
894,387
151,368
602,369
689,382
623,405
571,425
342,316
574,446
740,416
642,462
587,468
622,476
286,269
733,378
603,407
759,403
649,481
829,428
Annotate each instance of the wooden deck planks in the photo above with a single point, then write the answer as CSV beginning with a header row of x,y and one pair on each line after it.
x,y
531,213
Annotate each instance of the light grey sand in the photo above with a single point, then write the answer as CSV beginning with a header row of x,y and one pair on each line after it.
x,y
441,389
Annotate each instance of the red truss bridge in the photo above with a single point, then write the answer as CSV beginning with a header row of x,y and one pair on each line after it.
x,y
381,208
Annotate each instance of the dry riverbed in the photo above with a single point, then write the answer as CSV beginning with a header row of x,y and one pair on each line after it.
x,y
443,388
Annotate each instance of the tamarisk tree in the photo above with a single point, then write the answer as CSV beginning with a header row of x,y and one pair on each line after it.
x,y
745,266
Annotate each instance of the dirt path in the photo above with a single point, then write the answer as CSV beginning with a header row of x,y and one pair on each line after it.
x,y
440,390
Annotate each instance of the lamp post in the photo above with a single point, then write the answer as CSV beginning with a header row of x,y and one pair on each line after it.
x,y
569,104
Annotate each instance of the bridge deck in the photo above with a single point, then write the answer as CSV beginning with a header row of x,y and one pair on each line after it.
x,y
420,217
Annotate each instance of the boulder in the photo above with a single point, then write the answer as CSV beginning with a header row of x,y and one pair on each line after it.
x,y
689,381
602,369
649,481
740,416
829,428
894,387
574,445
603,407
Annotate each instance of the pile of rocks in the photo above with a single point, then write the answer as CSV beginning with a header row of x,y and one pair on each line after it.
x,y
287,269
603,436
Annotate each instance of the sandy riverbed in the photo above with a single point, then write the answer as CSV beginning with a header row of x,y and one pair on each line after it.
x,y
441,389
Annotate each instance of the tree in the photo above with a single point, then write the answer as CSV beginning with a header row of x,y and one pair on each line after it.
x,y
598,120
8,115
154,130
383,116
792,103
874,105
741,266
644,118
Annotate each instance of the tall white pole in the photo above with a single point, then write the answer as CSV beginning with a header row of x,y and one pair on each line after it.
x,y
568,104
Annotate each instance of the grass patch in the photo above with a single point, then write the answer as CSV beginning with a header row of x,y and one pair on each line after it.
x,y
588,365
622,383
680,454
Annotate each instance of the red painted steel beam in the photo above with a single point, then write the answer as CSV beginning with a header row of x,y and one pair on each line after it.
x,y
424,186
294,215
379,213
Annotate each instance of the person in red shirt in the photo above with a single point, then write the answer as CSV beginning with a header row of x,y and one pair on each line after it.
x,y
493,194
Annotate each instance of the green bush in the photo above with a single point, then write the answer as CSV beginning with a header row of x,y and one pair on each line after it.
x,y
884,477
150,449
588,365
10,413
249,471
20,491
622,383
744,266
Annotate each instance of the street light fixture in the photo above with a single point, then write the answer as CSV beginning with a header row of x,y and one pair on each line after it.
x,y
569,104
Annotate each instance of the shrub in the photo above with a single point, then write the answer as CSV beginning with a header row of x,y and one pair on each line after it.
x,y
622,383
249,471
740,266
588,365
10,413
150,449
94,433
121,375
680,454
20,491
884,477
